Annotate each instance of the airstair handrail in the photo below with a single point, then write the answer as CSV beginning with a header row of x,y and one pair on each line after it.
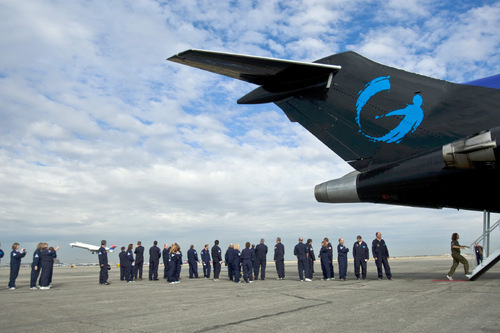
x,y
479,240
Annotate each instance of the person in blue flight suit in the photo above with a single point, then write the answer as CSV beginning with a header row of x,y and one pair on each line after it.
x,y
179,264
173,263
103,263
236,262
342,259
260,260
139,260
193,262
47,264
279,258
381,256
205,259
1,252
129,264
154,261
54,257
247,259
361,255
35,266
123,257
228,257
478,249
15,264
324,258
164,254
301,252
330,256
311,258
216,259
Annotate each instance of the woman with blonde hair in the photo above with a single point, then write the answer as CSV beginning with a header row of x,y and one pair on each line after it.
x,y
35,266
236,262
173,263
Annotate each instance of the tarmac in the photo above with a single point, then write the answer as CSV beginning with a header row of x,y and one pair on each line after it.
x,y
419,299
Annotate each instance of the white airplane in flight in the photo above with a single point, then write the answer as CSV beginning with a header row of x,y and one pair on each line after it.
x,y
91,248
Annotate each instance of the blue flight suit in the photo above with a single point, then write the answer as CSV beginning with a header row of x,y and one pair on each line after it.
x,y
173,265
361,255
46,263
229,259
154,262
479,254
330,258
301,252
325,267
236,264
164,254
123,257
342,259
139,261
310,261
247,258
129,266
216,260
193,263
279,259
103,263
205,259
15,264
35,264
179,265
260,260
380,254
1,253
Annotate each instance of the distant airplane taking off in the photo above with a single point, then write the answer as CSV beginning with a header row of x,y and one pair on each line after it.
x,y
412,140
91,248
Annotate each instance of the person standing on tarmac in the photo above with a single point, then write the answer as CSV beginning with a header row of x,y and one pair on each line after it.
x,y
103,263
35,266
457,257
311,258
154,261
139,260
260,260
193,262
228,257
300,251
173,265
205,259
164,254
247,259
381,256
216,259
361,256
324,258
330,256
279,259
342,259
236,263
122,256
129,264
15,264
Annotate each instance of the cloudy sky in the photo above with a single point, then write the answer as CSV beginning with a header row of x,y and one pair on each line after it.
x,y
101,137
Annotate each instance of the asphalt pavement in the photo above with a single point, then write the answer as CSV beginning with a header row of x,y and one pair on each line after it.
x,y
419,299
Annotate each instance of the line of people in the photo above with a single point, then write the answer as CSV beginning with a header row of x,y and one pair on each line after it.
x,y
250,263
42,265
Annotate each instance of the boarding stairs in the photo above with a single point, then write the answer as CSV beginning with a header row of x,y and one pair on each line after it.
x,y
489,259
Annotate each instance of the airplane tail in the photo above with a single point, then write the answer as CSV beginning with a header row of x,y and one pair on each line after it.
x,y
112,248
367,113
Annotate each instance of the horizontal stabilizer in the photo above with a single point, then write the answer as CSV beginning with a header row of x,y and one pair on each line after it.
x,y
279,78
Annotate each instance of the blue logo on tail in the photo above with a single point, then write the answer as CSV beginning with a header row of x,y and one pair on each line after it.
x,y
412,113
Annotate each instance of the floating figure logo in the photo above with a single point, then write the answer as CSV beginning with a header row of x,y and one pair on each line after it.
x,y
412,113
